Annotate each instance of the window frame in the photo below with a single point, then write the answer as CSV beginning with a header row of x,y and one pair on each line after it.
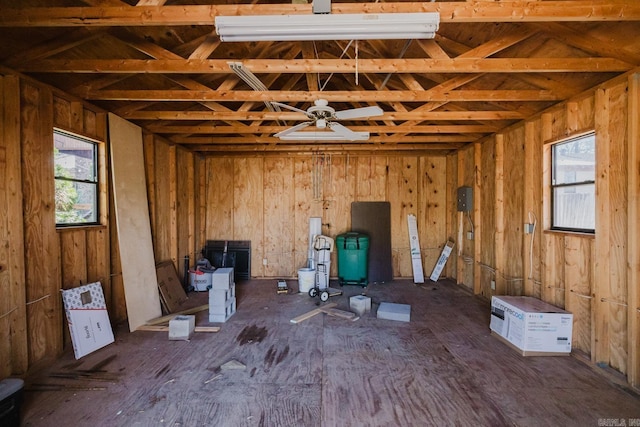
x,y
553,185
98,173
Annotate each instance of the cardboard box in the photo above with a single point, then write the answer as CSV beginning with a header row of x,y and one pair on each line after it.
x,y
531,326
88,319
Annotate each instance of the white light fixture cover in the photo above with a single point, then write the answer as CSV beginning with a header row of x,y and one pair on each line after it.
x,y
368,26
323,136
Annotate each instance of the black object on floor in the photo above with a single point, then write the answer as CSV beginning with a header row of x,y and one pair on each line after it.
x,y
374,220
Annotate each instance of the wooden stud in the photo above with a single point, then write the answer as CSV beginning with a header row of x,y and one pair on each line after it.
x,y
477,217
601,291
452,183
173,205
499,216
547,255
192,211
530,184
618,225
150,175
460,224
633,232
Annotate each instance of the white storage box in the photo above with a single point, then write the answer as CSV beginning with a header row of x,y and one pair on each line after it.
x,y
532,326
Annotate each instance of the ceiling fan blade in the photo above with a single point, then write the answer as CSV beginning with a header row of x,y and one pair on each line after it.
x,y
293,129
356,113
289,107
347,133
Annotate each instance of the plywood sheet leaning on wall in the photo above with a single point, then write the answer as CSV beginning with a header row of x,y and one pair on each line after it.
x,y
132,221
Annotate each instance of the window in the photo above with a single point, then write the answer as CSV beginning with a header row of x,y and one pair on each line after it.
x,y
573,189
76,179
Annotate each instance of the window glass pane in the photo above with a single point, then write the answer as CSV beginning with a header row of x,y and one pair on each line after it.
x,y
76,179
74,158
75,202
575,160
574,207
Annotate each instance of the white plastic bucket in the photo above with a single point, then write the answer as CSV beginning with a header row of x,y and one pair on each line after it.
x,y
306,279
200,280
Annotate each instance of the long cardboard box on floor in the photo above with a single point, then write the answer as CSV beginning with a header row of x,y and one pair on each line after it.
x,y
531,326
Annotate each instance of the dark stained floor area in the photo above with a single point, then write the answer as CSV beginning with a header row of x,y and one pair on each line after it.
x,y
442,368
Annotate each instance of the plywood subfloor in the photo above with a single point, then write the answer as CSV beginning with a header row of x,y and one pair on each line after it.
x,y
442,368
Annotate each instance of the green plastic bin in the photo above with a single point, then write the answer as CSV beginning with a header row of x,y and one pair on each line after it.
x,y
353,259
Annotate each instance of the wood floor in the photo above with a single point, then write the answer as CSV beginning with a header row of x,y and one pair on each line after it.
x,y
442,368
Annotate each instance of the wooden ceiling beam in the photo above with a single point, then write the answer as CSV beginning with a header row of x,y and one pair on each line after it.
x,y
422,139
54,46
336,96
206,48
305,149
285,115
213,129
458,12
363,65
587,43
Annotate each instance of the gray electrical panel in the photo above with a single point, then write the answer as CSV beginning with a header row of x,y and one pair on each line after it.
x,y
465,199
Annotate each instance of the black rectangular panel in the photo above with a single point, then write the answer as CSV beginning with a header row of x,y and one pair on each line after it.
x,y
238,256
374,219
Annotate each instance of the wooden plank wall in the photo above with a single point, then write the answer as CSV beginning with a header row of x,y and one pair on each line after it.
x,y
36,260
593,276
466,246
272,200
13,310
174,200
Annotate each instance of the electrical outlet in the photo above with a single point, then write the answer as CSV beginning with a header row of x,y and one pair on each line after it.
x,y
493,285
264,261
528,228
469,235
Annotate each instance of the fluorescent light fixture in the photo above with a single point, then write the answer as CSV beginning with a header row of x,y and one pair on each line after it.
x,y
252,80
323,136
367,26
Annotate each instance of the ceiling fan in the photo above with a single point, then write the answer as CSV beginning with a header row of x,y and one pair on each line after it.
x,y
325,117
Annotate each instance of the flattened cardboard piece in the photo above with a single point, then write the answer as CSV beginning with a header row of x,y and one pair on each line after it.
x,y
171,291
88,318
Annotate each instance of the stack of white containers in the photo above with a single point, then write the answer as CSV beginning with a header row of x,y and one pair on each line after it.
x,y
222,295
